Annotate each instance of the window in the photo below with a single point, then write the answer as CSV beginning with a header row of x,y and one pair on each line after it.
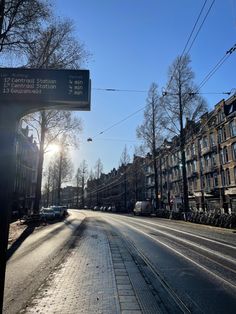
x,y
219,135
224,155
187,151
202,183
201,163
212,139
204,142
223,178
208,181
220,116
215,179
226,158
207,159
233,148
189,168
224,134
227,177
192,148
200,144
232,127
213,159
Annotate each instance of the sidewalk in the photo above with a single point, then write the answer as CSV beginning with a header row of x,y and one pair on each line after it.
x,y
98,276
15,230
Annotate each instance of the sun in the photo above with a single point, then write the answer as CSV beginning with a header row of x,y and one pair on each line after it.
x,y
53,149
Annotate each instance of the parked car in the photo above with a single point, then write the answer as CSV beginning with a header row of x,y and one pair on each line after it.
x,y
143,208
47,213
111,208
60,211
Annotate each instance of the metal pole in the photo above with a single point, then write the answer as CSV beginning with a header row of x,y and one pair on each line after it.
x,y
8,125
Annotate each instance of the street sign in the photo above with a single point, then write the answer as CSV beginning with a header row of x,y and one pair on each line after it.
x,y
45,88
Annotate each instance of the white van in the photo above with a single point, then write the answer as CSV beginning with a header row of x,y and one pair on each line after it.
x,y
143,208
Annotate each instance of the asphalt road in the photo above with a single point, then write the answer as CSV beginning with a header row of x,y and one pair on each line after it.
x,y
192,268
195,264
35,258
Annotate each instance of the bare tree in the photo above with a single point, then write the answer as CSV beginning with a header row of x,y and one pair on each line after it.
x,y
48,186
125,157
49,126
63,169
98,168
18,18
151,131
81,177
55,47
97,172
182,102
124,160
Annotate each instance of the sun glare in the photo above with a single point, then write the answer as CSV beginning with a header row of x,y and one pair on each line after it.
x,y
53,149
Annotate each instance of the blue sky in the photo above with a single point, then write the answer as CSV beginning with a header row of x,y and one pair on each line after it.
x,y
132,43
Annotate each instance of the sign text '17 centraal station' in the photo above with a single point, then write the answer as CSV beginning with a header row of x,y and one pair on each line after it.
x,y
45,88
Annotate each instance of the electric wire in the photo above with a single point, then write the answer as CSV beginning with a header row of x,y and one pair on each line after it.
x,y
118,122
200,27
183,52
207,77
217,66
120,90
193,29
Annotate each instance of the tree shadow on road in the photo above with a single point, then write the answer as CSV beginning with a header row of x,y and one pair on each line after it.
x,y
17,243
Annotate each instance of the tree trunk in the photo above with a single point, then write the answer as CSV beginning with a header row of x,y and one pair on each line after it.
x,y
83,191
154,154
183,158
40,165
160,179
77,196
59,181
125,186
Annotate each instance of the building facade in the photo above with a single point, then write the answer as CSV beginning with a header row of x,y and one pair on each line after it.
x,y
121,187
26,172
210,150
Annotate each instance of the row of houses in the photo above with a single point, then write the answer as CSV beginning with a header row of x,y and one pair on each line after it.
x,y
210,151
26,172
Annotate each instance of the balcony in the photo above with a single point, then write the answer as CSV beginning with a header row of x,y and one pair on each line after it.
x,y
192,174
205,150
191,156
209,149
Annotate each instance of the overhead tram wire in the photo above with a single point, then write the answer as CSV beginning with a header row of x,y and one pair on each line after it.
x,y
121,90
117,123
200,27
189,38
137,111
195,24
217,66
210,74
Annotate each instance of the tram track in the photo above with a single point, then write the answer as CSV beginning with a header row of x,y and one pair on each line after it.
x,y
223,264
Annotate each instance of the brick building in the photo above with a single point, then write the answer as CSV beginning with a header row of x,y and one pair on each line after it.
x,y
26,171
210,150
121,187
